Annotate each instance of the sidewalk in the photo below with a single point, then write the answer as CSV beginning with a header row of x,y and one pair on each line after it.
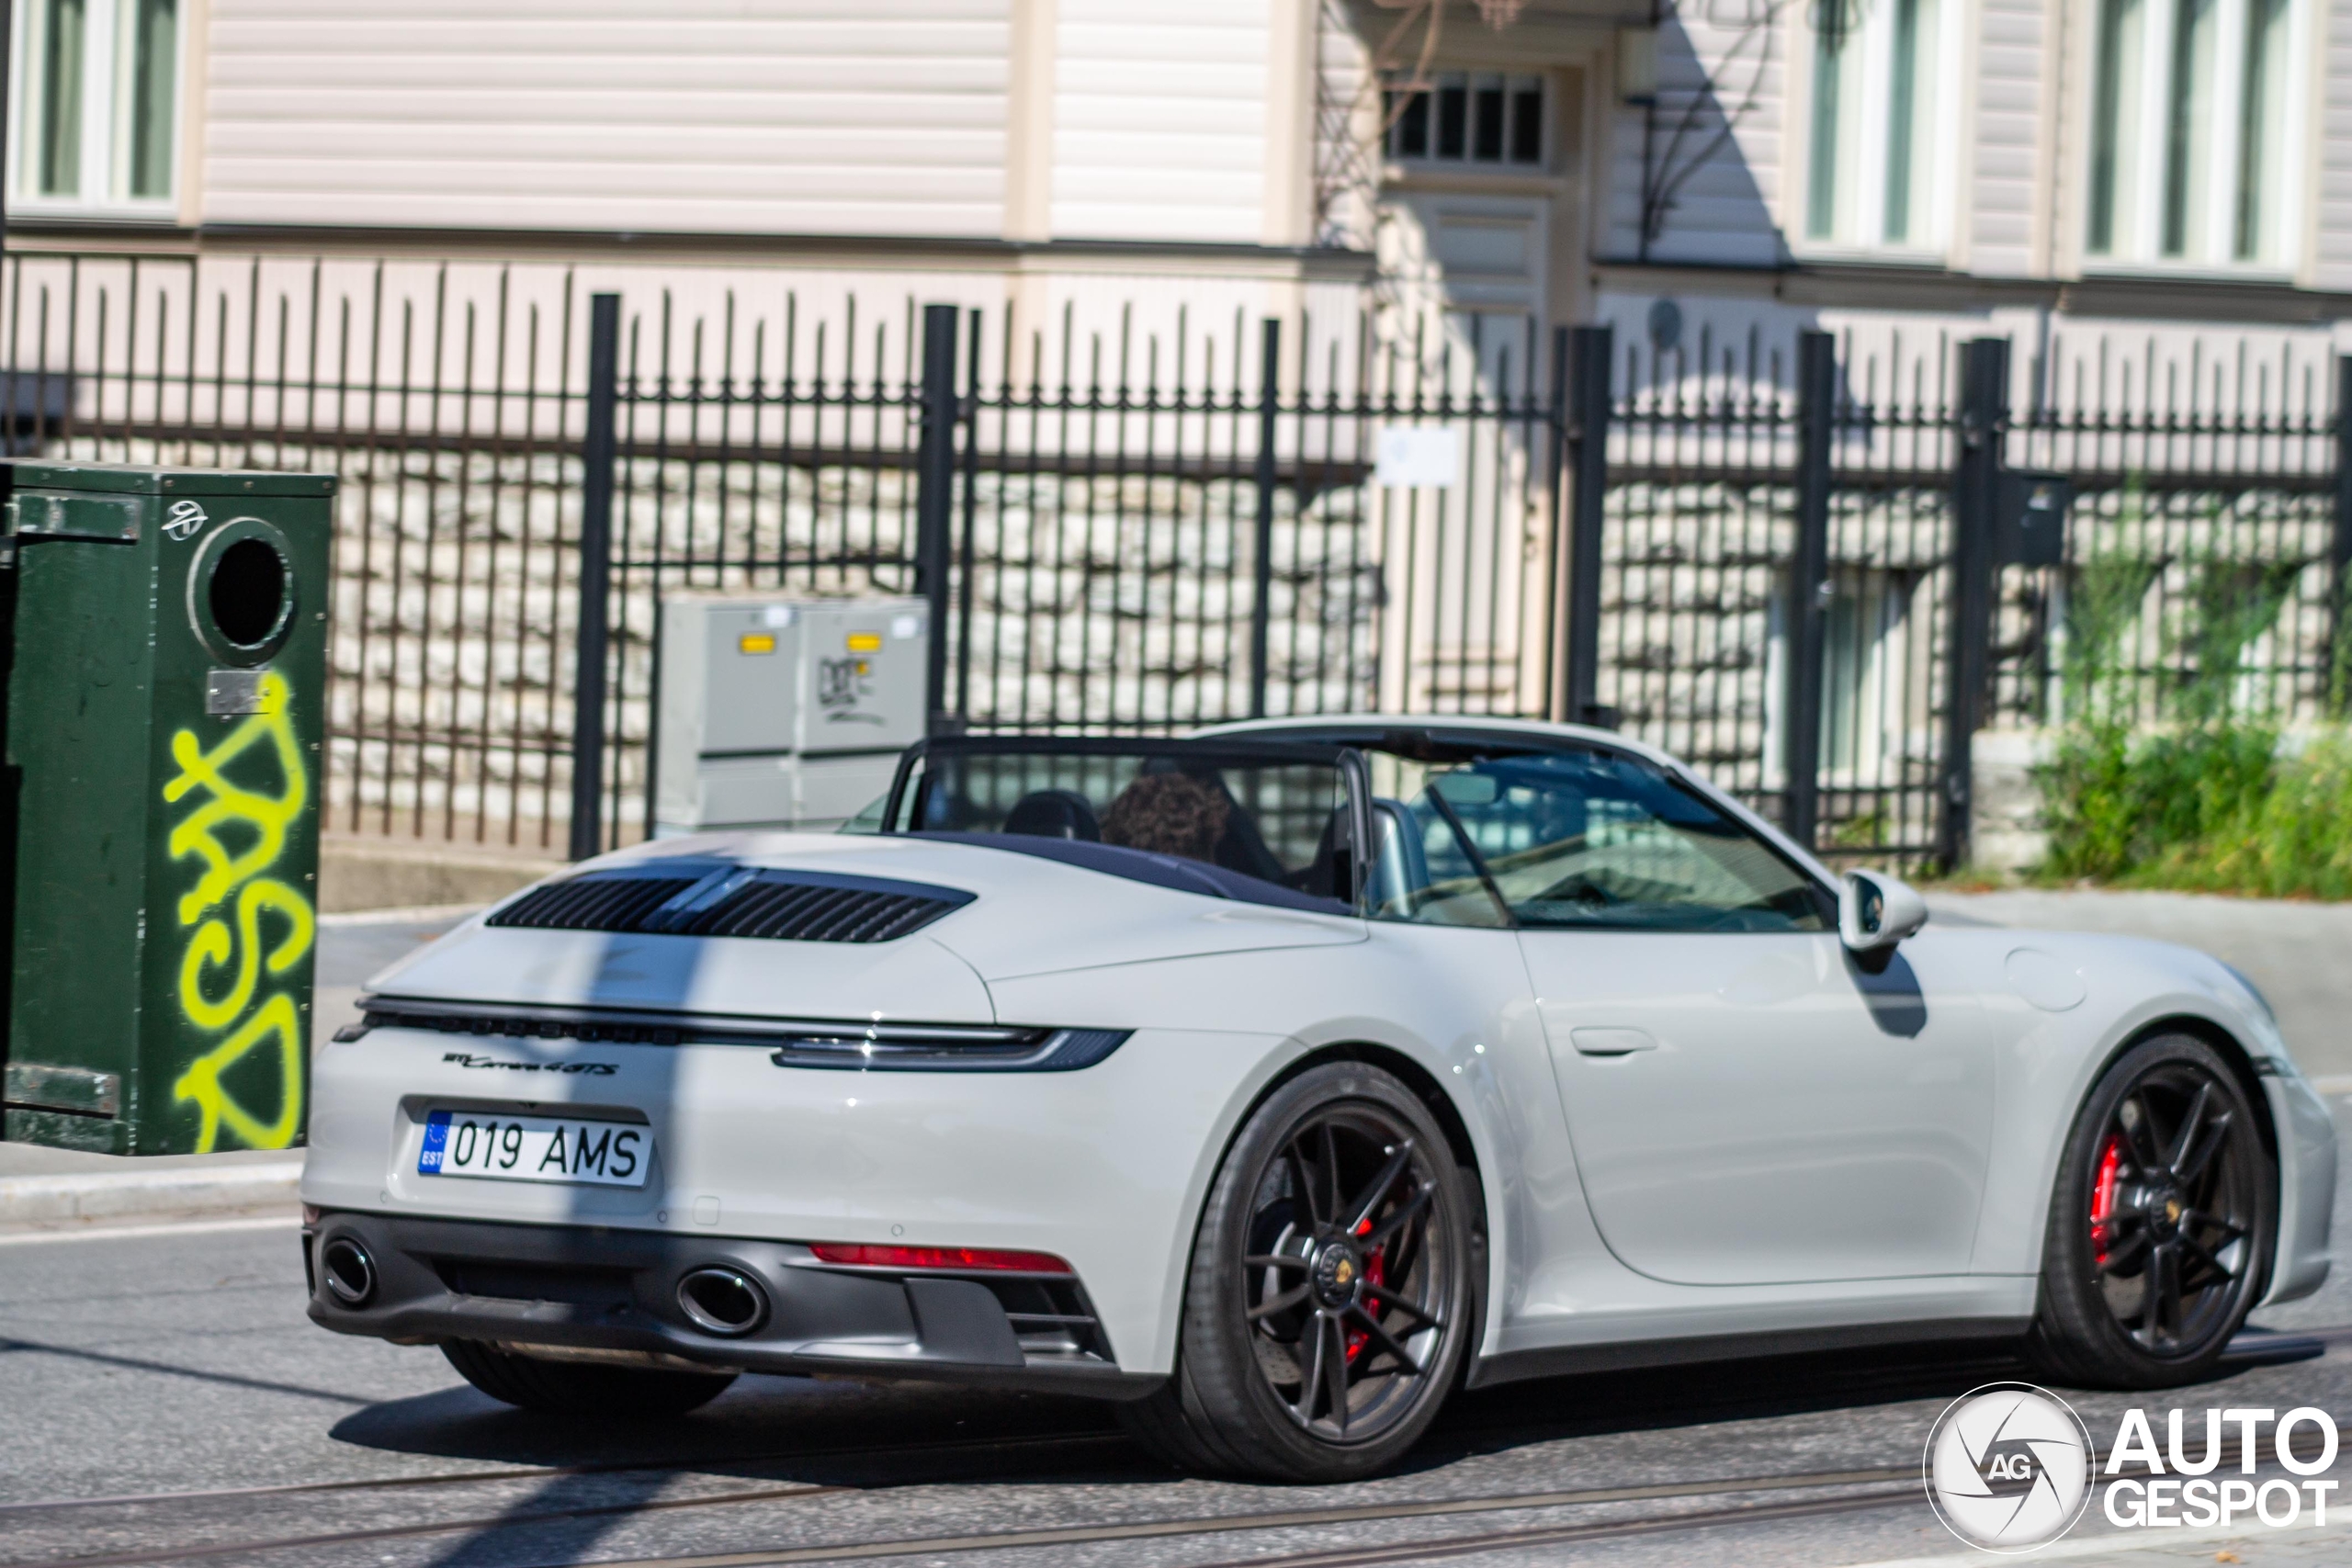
x,y
47,1189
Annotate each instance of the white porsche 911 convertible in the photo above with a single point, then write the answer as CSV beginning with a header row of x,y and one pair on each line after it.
x,y
1276,1081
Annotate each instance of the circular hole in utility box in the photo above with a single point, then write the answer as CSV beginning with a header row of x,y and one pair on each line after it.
x,y
247,594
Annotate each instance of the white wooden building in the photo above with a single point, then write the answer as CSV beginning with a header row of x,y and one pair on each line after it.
x,y
1963,162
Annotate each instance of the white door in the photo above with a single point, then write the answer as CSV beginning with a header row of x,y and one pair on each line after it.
x,y
1747,1105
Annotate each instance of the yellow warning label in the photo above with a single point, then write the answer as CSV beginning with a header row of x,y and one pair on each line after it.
x,y
755,642
865,642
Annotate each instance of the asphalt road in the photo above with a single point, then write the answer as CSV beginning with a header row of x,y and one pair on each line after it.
x,y
164,1400
353,948
175,1374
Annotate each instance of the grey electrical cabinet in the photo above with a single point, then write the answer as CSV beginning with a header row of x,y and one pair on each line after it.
x,y
782,712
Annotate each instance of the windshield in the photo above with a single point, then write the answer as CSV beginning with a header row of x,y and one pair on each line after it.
x,y
1253,819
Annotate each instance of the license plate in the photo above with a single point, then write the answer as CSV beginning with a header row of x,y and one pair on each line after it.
x,y
535,1148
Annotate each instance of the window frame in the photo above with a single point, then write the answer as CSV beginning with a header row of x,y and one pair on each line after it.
x,y
109,102
2140,248
1547,115
1858,226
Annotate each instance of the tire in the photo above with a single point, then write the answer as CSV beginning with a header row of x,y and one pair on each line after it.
x,y
1319,1338
2141,1214
582,1388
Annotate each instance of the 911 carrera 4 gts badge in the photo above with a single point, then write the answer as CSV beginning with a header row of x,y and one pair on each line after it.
x,y
468,1059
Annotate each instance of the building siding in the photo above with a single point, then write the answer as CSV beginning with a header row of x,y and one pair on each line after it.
x,y
1725,209
1159,120
854,117
2000,154
2331,120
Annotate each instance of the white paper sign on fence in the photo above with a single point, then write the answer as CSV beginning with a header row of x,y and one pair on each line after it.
x,y
1415,455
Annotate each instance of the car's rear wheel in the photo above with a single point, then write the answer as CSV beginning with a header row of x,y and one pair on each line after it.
x,y
2160,1223
1329,1300
582,1388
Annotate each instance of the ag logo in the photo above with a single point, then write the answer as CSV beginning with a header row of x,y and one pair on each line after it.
x,y
2008,1467
184,517
2009,1460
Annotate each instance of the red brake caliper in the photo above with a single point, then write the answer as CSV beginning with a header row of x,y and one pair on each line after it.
x,y
2110,1159
1375,1272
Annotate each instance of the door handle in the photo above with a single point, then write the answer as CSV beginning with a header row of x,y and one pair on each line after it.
x,y
1612,1042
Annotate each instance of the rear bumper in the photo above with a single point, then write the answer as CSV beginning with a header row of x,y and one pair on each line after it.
x,y
576,1288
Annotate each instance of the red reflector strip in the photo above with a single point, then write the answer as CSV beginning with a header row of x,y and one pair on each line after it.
x,y
972,1258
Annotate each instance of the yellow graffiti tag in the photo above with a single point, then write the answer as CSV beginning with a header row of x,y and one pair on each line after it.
x,y
265,817
212,946
230,872
201,1082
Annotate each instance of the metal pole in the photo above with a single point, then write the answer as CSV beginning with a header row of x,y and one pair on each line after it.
x,y
598,457
1269,366
1809,585
1555,412
1983,422
1588,451
2340,551
967,567
935,496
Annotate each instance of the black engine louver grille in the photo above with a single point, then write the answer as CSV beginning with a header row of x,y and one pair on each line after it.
x,y
593,903
773,906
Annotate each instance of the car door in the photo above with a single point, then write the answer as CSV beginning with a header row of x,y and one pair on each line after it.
x,y
1747,1103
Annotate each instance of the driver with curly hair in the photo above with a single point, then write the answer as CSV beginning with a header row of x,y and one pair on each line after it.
x,y
1170,814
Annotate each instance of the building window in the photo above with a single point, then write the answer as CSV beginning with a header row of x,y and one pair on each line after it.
x,y
1875,148
97,83
2190,121
1470,117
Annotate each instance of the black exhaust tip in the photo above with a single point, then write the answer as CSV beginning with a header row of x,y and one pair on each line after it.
x,y
351,1274
722,1300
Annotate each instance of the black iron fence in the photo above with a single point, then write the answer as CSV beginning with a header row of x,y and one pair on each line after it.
x,y
1789,564
1185,534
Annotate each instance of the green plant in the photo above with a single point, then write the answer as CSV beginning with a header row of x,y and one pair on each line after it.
x,y
2122,806
2202,800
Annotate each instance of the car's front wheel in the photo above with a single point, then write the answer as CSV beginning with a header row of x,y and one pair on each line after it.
x,y
1329,1302
582,1388
2160,1223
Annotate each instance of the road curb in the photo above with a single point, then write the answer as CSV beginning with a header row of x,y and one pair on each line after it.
x,y
80,1198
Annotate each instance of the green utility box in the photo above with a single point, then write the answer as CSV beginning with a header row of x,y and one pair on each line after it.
x,y
166,703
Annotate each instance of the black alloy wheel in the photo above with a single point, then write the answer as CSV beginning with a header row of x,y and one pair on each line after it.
x,y
2162,1225
1329,1301
1341,1286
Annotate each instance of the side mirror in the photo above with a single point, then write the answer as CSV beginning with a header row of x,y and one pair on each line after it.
x,y
1875,911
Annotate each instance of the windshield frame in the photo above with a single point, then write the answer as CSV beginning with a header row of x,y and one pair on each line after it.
x,y
1355,776
1475,741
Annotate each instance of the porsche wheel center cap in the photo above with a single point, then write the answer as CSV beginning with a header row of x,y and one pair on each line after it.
x,y
1336,1270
